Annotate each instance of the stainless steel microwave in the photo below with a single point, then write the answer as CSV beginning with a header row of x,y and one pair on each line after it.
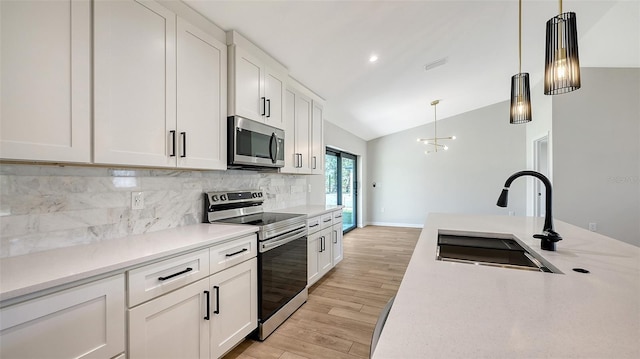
x,y
253,144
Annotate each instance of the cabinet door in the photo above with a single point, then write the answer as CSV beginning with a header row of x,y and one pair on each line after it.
x,y
303,128
337,243
201,101
171,326
134,83
325,259
314,248
81,322
248,87
274,88
317,157
45,112
291,156
234,306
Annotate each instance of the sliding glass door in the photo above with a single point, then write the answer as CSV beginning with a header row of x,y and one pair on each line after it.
x,y
341,185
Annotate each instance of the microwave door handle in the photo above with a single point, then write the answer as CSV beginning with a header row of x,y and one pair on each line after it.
x,y
273,147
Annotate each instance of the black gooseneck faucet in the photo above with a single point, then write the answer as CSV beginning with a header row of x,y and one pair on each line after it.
x,y
549,237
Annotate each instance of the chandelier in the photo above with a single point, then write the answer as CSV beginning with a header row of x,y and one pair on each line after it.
x,y
433,143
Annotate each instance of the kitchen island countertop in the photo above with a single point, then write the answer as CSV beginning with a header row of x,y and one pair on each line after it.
x,y
460,310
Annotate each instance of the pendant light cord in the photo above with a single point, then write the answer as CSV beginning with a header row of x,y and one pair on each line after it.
x,y
560,7
520,36
435,126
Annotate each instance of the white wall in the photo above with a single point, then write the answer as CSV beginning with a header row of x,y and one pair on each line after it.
x,y
466,179
539,126
596,153
338,138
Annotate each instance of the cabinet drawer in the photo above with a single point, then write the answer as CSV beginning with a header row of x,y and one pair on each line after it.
x,y
313,224
337,217
231,253
326,220
158,278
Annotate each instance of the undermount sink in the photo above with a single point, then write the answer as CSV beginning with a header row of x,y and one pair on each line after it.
x,y
497,250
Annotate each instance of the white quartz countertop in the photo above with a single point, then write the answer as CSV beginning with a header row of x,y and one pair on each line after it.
x,y
311,210
30,273
459,310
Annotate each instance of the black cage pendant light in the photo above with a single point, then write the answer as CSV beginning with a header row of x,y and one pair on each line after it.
x,y
562,66
520,90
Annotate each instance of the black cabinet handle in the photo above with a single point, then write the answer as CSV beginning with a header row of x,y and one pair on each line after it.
x,y
269,107
206,317
189,269
314,162
327,220
217,289
264,106
335,241
238,252
314,225
184,144
173,142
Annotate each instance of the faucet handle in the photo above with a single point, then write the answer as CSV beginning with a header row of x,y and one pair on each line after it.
x,y
549,239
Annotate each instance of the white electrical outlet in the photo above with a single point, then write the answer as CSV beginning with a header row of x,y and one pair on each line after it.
x,y
137,200
593,227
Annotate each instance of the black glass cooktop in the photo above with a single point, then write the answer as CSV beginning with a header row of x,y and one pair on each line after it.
x,y
260,219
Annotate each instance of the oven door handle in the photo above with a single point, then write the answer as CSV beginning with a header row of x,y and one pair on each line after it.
x,y
277,242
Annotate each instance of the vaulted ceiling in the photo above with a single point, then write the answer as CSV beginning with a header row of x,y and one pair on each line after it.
x,y
326,45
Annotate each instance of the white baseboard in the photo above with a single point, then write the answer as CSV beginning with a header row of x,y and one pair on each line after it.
x,y
390,224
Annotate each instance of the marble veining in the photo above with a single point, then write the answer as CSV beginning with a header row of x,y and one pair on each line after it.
x,y
45,207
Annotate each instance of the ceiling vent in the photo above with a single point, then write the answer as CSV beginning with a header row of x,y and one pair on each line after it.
x,y
436,63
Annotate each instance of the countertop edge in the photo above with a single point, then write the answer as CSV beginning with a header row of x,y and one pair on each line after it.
x,y
116,267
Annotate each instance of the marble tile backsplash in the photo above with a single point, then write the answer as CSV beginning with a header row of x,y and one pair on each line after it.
x,y
46,207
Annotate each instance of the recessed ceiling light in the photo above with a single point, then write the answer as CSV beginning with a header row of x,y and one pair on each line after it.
x,y
373,58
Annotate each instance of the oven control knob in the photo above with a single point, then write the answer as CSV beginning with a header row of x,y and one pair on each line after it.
x,y
254,195
214,198
223,197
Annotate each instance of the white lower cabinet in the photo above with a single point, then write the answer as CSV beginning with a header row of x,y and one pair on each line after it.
x,y
203,319
337,243
318,255
171,326
234,305
324,247
87,321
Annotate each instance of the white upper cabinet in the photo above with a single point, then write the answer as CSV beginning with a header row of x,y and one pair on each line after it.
x,y
160,89
297,116
246,85
256,83
202,105
317,151
134,83
45,72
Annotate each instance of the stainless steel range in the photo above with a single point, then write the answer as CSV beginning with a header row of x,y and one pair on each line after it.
x,y
282,253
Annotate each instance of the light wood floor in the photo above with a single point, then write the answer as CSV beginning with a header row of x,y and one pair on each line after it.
x,y
339,317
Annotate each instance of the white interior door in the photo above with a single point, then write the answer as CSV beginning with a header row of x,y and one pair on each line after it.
x,y
541,164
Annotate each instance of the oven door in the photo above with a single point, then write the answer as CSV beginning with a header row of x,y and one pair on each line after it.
x,y
252,143
282,271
